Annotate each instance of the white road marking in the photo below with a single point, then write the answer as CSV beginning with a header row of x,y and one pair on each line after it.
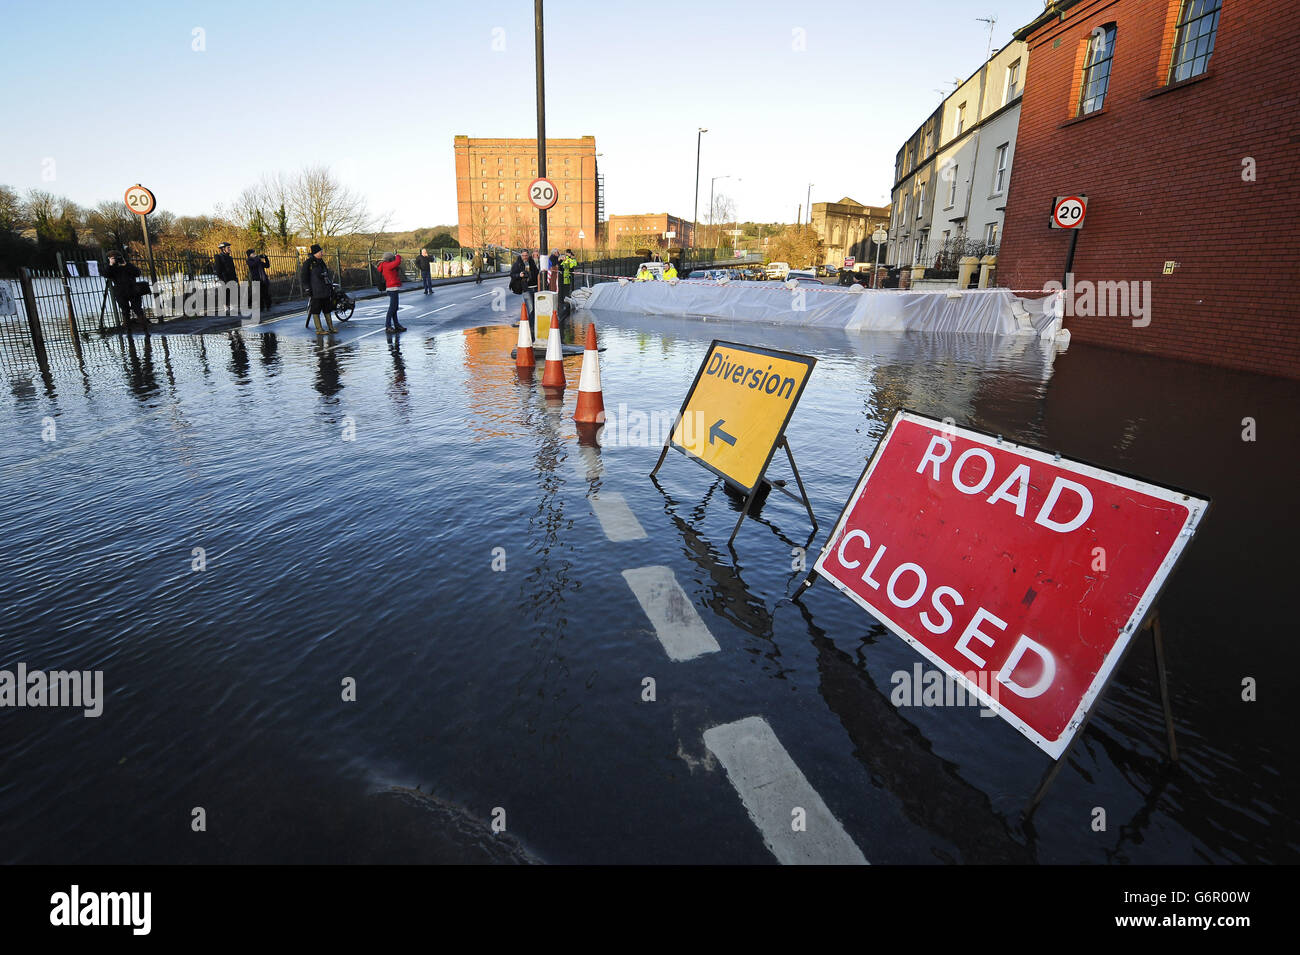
x,y
616,518
772,787
677,625
354,339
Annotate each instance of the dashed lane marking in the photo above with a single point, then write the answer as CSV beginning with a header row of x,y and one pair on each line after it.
x,y
616,518
677,624
772,787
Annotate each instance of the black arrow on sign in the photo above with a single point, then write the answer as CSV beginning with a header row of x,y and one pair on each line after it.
x,y
717,432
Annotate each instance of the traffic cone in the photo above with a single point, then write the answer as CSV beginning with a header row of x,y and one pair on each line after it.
x,y
524,353
591,402
553,375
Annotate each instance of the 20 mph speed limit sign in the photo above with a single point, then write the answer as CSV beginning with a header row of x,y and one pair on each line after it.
x,y
542,193
1068,212
139,200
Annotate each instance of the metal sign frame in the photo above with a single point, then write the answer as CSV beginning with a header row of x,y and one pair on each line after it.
x,y
751,492
1143,616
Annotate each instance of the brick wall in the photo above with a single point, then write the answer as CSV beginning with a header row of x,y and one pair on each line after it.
x,y
1163,171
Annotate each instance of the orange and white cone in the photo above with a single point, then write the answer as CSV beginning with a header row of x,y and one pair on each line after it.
x,y
553,375
591,402
524,357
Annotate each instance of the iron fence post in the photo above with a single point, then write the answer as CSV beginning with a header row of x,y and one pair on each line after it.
x,y
67,297
33,319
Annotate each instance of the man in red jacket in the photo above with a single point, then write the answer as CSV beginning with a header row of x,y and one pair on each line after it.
x,y
391,270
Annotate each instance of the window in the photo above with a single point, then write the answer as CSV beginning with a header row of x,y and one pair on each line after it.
x,y
952,188
1096,69
991,234
1194,42
1000,169
1013,82
960,123
920,201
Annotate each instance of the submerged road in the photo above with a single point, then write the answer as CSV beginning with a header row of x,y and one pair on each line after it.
x,y
354,593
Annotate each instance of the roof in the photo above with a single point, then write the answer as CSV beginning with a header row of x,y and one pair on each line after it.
x,y
1055,11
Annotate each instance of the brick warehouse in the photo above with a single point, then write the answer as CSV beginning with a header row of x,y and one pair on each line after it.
x,y
493,208
1185,158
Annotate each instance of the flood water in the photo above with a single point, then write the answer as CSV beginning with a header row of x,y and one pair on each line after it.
x,y
350,500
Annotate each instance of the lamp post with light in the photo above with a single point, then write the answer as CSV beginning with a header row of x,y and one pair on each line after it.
x,y
695,208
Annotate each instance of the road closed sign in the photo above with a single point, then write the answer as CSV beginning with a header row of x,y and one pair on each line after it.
x,y
1021,575
738,408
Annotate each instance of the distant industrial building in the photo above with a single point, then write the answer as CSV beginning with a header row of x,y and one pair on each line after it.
x,y
845,229
649,231
493,207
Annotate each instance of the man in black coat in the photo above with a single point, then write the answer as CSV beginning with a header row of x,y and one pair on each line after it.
x,y
319,284
258,263
523,278
225,266
422,262
126,292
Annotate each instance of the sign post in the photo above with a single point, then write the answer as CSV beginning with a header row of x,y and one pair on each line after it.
x,y
141,201
735,415
1068,212
879,237
1021,575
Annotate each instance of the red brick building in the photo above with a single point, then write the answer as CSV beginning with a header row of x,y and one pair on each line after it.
x,y
492,179
1178,119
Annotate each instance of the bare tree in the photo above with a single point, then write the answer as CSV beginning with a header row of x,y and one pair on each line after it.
x,y
113,225
321,207
11,210
722,214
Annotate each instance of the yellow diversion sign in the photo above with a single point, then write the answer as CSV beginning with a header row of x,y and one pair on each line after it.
x,y
736,412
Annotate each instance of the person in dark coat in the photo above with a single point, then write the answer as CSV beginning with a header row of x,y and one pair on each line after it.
x,y
422,262
523,279
257,266
126,292
225,265
319,285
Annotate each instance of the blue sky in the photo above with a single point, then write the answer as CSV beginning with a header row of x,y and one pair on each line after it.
x,y
377,91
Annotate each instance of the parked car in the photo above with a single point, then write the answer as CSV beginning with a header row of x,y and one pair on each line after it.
x,y
809,274
778,270
755,273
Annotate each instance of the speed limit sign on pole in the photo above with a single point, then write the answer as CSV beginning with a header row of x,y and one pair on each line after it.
x,y
1068,212
542,193
140,200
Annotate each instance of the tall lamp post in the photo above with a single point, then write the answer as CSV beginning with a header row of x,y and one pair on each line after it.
x,y
808,203
695,210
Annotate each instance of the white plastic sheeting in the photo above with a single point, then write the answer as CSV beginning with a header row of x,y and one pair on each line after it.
x,y
982,311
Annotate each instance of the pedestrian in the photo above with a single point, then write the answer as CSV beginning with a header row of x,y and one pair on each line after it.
x,y
258,263
128,289
568,264
422,263
224,266
319,284
644,274
523,279
391,270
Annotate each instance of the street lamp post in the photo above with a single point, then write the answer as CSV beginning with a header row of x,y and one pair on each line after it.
x,y
808,203
878,237
695,209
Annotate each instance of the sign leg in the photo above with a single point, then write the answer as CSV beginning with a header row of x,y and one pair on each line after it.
x,y
1158,645
745,510
798,480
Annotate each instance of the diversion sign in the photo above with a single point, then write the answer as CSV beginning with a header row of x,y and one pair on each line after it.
x,y
1022,575
738,407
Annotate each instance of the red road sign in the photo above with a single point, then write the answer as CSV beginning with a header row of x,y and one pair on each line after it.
x,y
542,193
1068,212
139,200
1022,576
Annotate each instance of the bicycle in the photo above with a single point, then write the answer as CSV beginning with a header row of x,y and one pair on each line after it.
x,y
341,305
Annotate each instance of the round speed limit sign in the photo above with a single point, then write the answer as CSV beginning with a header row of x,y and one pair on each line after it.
x,y
543,194
139,200
1069,211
